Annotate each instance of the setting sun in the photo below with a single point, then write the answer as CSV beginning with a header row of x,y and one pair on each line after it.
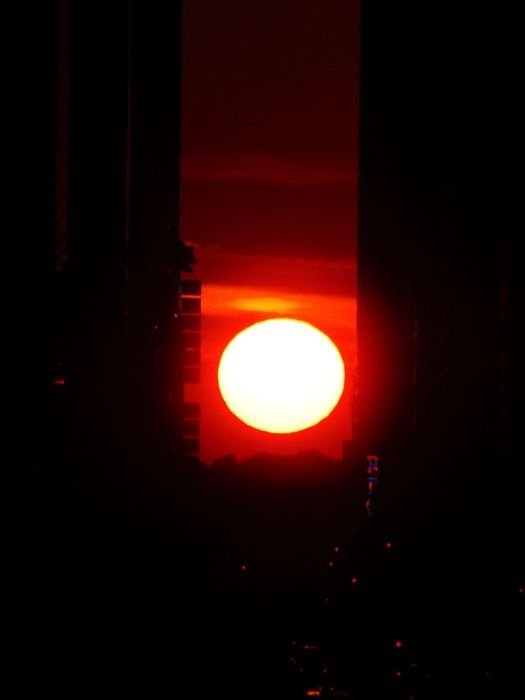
x,y
281,375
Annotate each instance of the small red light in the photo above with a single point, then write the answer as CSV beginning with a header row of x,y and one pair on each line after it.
x,y
389,545
325,670
59,380
330,564
398,644
398,674
337,550
243,567
313,693
354,580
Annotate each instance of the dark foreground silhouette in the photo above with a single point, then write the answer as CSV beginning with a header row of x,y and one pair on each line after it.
x,y
260,579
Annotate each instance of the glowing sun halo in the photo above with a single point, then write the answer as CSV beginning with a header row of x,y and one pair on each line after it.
x,y
281,375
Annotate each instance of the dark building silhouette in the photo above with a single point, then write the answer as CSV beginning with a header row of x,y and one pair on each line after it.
x,y
119,255
438,225
218,580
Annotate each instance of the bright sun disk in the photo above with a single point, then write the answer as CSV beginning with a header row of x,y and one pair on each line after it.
x,y
281,375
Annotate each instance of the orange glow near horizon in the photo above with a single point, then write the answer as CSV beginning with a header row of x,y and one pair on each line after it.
x,y
229,308
281,375
269,195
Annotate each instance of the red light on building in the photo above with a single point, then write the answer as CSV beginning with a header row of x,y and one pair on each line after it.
x,y
398,644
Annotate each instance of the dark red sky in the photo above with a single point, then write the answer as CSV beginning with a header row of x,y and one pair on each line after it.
x,y
269,191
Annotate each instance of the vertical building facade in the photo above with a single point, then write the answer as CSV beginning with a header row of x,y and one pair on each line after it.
x,y
438,225
119,253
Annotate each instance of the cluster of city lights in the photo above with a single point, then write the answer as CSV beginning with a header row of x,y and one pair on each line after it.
x,y
317,673
311,662
372,480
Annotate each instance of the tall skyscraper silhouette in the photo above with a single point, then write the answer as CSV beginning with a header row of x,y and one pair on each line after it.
x,y
438,219
119,254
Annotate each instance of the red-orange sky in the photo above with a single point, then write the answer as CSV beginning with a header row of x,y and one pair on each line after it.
x,y
269,187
